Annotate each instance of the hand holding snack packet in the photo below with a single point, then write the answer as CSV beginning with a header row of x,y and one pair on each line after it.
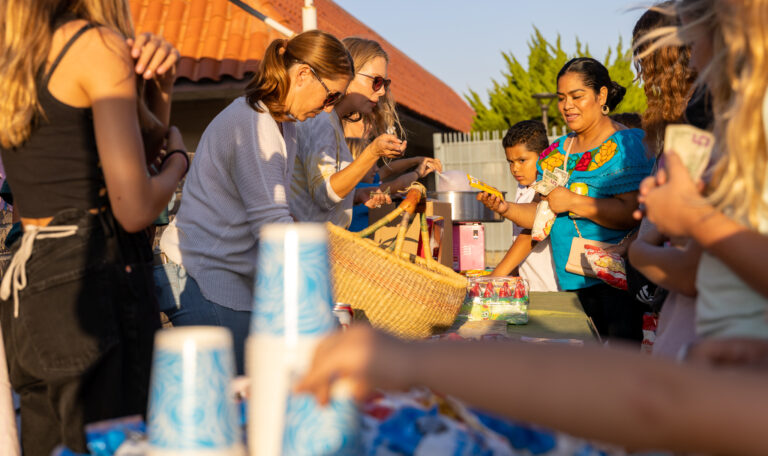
x,y
542,223
609,267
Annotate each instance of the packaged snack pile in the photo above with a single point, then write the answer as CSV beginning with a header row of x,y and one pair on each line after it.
x,y
609,267
421,422
496,298
543,222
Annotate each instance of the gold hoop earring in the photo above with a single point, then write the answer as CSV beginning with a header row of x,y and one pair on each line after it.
x,y
605,110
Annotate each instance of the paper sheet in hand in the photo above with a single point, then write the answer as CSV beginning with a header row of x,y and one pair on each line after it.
x,y
693,146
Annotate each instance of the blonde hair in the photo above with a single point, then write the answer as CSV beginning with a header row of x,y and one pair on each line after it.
x,y
737,78
321,51
384,115
25,41
356,145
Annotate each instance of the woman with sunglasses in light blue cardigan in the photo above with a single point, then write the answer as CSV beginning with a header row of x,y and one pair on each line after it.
x,y
325,173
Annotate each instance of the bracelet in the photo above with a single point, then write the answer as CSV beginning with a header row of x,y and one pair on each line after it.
x,y
176,151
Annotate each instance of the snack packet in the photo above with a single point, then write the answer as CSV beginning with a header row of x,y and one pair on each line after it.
x,y
543,222
609,267
483,187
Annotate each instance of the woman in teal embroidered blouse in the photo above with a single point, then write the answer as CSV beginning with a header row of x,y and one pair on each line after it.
x,y
606,162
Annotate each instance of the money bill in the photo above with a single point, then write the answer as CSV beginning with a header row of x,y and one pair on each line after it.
x,y
693,146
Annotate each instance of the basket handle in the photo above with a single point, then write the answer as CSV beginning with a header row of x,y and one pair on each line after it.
x,y
416,192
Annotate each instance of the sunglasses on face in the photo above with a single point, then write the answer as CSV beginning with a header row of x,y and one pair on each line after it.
x,y
378,82
333,97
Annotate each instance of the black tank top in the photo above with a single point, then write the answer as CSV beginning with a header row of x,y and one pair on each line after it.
x,y
58,166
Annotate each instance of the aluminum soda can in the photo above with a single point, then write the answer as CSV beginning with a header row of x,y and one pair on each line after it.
x,y
579,188
344,313
292,312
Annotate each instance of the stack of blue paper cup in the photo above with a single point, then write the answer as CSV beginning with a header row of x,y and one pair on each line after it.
x,y
191,409
293,310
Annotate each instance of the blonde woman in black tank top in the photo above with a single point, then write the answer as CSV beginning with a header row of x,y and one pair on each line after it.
x,y
78,311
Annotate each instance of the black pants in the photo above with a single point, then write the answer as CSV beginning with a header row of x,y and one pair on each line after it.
x,y
80,350
615,313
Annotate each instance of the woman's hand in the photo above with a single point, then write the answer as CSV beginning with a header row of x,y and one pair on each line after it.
x,y
493,202
560,200
387,146
155,58
367,358
377,198
427,165
672,200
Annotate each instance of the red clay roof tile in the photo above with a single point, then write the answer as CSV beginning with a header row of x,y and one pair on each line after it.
x,y
217,38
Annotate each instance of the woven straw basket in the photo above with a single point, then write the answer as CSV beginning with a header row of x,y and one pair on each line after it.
x,y
404,295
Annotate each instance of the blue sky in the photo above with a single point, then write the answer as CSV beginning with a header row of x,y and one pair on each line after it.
x,y
461,42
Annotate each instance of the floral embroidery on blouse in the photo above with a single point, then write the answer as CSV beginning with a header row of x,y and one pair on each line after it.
x,y
552,158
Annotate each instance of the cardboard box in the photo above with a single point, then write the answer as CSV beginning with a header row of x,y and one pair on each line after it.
x,y
387,234
468,246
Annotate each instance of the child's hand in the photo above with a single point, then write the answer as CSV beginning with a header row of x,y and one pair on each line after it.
x,y
559,200
493,202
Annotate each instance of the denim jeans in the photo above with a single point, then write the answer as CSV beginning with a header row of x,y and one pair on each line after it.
x,y
81,348
180,298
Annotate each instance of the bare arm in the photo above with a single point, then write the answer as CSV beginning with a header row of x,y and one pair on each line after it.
x,y
676,207
136,199
669,267
397,167
424,166
345,180
615,212
520,214
517,252
612,395
155,62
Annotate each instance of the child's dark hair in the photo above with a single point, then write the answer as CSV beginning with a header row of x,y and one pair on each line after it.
x,y
530,133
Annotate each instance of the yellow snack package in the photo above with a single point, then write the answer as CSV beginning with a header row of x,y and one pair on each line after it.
x,y
483,187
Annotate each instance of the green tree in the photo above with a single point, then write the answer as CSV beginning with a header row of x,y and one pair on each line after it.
x,y
510,100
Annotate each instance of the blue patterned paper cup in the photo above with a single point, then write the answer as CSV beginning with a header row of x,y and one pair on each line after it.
x,y
293,293
192,409
293,310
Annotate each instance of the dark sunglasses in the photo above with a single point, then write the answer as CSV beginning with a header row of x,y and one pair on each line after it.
x,y
333,97
378,82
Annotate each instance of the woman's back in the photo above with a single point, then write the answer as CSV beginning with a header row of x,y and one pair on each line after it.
x,y
58,166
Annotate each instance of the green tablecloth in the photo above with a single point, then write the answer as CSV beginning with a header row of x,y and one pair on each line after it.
x,y
550,315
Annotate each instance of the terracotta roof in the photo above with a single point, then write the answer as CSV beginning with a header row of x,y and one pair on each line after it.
x,y
217,38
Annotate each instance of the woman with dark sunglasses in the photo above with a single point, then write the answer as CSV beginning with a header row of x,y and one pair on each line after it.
x,y
325,173
238,182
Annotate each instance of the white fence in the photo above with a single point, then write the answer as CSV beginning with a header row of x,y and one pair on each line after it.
x,y
481,155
